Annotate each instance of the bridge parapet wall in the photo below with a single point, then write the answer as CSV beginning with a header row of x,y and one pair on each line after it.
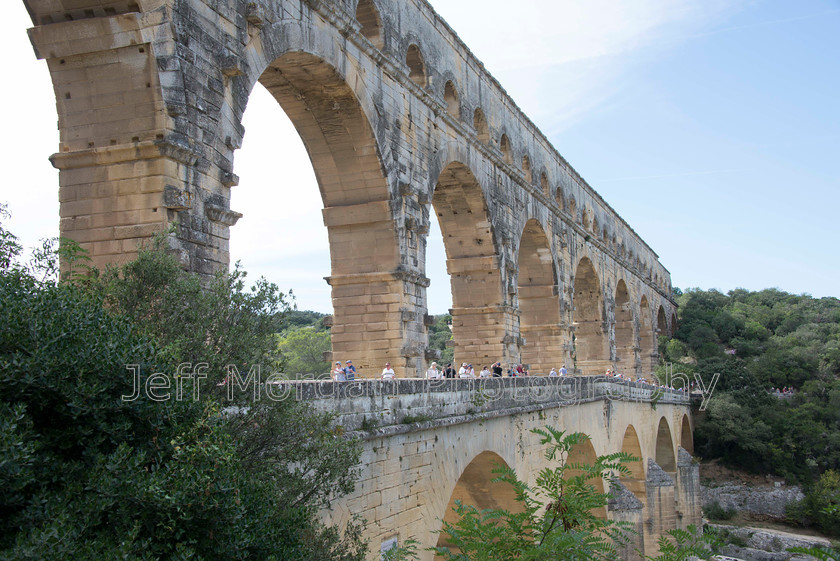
x,y
394,406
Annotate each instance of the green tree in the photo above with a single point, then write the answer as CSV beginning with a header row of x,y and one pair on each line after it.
x,y
89,475
554,520
303,351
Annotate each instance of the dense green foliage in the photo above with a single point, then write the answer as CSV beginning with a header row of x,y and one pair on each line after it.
x,y
759,341
303,351
87,475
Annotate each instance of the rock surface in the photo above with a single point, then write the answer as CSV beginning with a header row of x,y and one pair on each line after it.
x,y
759,544
761,502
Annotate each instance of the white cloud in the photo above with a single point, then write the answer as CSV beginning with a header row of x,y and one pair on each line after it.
x,y
562,60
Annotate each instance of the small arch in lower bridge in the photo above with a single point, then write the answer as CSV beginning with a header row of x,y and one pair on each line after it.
x,y
686,436
476,487
665,456
635,481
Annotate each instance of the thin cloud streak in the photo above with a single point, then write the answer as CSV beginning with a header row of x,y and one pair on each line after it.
x,y
764,23
665,175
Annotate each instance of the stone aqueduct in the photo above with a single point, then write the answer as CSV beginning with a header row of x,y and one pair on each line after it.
x,y
401,121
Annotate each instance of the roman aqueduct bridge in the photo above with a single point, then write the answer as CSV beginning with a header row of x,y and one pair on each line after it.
x,y
403,126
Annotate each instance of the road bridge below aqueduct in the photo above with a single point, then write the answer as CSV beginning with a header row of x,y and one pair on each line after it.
x,y
428,443
403,126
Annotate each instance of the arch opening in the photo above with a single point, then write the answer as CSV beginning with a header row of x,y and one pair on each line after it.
x,y
526,168
635,481
473,266
546,190
368,17
584,453
342,149
539,301
504,146
686,436
665,457
476,487
561,200
591,343
416,66
450,96
661,323
625,349
646,339
480,126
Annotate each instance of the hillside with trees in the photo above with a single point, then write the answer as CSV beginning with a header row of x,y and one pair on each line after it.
x,y
761,342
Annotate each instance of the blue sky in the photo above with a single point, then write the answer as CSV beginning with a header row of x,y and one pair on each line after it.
x,y
712,127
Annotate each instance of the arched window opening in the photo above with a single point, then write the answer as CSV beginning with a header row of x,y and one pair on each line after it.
x,y
480,125
561,200
544,184
450,96
416,65
504,146
526,168
368,16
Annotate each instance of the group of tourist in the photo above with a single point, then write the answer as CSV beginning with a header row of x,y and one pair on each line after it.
x,y
347,373
467,370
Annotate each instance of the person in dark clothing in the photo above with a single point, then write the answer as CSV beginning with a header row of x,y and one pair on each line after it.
x,y
449,372
497,370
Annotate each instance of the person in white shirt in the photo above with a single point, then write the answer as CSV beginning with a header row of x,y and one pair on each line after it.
x,y
388,372
433,373
485,372
553,373
338,373
462,370
563,370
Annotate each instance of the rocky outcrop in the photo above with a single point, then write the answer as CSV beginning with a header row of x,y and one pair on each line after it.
x,y
755,544
758,502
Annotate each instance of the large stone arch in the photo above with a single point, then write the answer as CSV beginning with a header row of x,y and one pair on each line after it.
x,y
478,316
354,188
539,301
591,342
625,345
647,341
476,487
661,325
